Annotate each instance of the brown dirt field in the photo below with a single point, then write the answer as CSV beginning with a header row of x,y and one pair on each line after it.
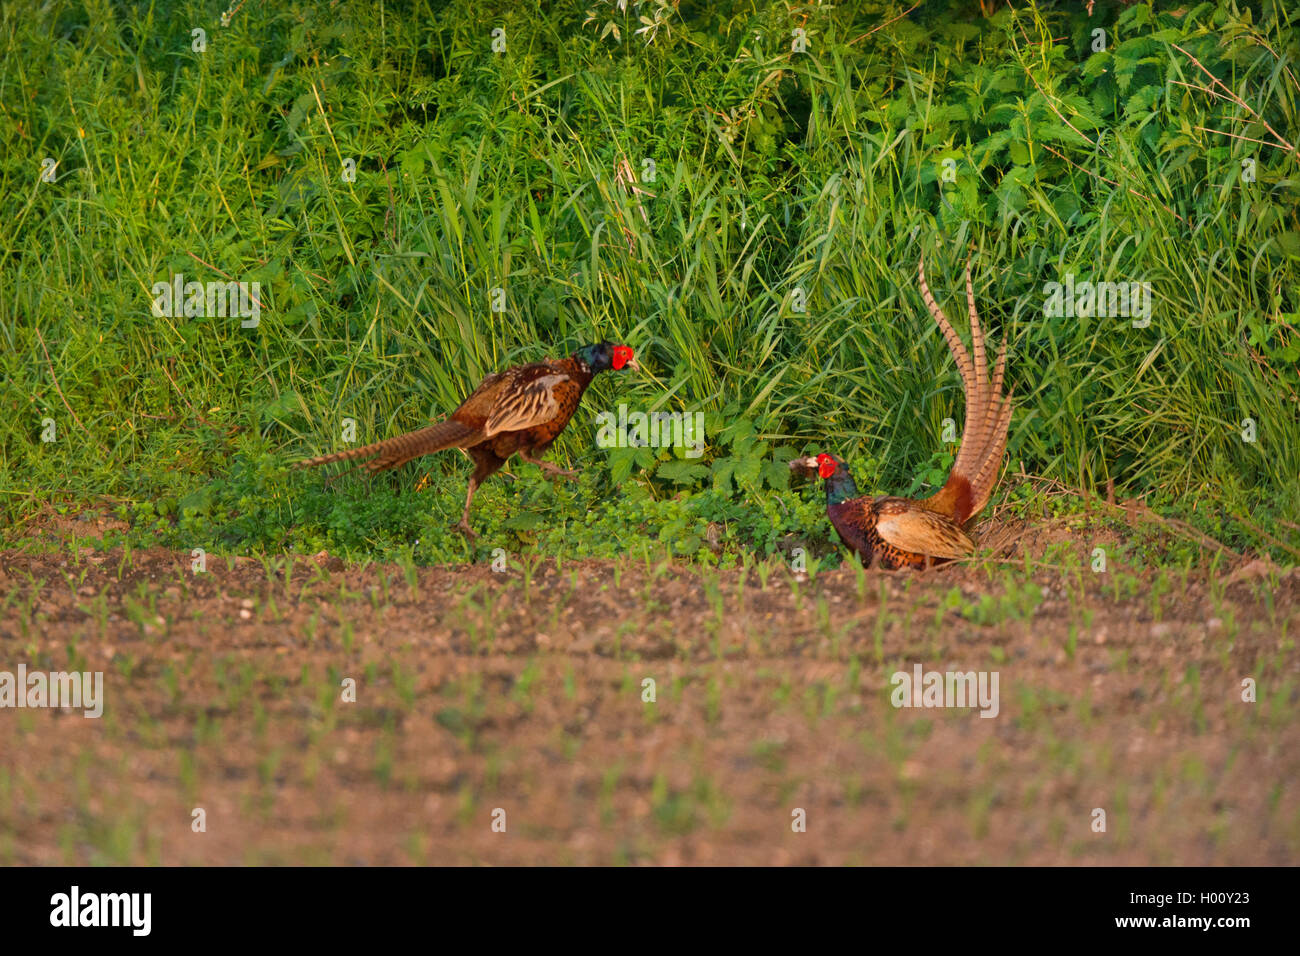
x,y
523,691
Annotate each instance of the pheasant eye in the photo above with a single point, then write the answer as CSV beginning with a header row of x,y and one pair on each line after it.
x,y
825,465
622,355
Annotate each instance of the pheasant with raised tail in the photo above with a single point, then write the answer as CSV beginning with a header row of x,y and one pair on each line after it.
x,y
916,533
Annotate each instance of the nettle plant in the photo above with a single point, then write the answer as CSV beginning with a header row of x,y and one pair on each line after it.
x,y
617,16
932,475
734,459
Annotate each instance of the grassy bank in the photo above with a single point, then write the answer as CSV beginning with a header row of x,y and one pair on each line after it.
x,y
765,274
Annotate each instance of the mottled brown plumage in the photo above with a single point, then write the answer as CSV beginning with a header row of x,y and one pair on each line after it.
x,y
520,410
905,532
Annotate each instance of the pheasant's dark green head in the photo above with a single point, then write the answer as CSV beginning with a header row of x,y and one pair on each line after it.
x,y
833,471
604,356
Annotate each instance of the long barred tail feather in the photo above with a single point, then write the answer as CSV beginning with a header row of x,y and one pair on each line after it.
x,y
392,452
988,413
958,350
987,476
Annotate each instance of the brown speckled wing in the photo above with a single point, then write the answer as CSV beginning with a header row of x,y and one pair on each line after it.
x,y
567,394
474,411
524,401
906,526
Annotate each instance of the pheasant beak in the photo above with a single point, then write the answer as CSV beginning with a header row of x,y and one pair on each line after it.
x,y
631,363
807,465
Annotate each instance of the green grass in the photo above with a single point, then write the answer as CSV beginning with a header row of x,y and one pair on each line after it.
x,y
779,176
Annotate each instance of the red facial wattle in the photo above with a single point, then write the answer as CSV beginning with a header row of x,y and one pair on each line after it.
x,y
825,465
622,355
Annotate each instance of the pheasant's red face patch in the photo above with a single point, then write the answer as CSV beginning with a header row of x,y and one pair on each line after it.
x,y
825,465
622,355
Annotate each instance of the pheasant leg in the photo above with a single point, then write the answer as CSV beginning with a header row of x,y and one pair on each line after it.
x,y
546,466
464,527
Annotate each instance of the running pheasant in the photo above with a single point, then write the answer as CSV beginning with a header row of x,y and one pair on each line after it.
x,y
904,532
522,409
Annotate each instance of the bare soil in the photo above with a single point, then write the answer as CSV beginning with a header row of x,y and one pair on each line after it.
x,y
517,697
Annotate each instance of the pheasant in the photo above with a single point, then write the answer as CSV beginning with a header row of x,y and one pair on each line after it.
x,y
906,532
522,409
